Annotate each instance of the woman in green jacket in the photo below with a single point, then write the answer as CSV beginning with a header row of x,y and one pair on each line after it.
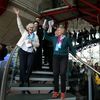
x,y
61,46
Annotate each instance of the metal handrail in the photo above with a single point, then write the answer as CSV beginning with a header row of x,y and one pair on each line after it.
x,y
5,76
89,76
80,60
4,80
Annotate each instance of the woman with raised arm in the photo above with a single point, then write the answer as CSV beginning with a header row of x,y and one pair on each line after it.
x,y
28,44
61,46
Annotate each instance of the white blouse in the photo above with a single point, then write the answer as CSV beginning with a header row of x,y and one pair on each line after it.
x,y
21,43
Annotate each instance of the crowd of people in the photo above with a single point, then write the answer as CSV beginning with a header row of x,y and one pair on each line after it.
x,y
84,35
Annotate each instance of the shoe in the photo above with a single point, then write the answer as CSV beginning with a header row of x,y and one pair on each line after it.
x,y
62,96
28,92
55,95
23,92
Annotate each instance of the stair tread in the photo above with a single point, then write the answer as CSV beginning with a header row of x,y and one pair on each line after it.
x,y
37,78
34,85
35,88
38,97
42,72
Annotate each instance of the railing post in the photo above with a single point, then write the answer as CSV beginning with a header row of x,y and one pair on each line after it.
x,y
89,85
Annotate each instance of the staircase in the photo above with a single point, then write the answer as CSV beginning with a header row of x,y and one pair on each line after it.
x,y
37,97
41,88
41,85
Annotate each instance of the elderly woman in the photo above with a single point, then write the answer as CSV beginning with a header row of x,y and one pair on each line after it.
x,y
61,46
28,44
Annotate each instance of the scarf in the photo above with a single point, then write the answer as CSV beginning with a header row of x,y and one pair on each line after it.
x,y
31,36
59,42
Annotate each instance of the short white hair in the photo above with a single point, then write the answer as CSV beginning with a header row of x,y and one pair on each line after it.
x,y
29,25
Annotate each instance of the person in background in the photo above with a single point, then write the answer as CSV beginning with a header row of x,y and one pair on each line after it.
x,y
3,51
37,19
96,65
38,57
97,76
9,49
28,44
96,86
61,46
50,27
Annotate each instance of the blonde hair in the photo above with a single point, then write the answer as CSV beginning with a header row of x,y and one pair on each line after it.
x,y
61,26
29,25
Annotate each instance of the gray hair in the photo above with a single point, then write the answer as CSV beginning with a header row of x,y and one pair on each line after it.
x,y
29,25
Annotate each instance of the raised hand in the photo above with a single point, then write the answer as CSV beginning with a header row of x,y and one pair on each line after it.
x,y
16,11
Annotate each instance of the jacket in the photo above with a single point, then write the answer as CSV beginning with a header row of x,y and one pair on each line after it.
x,y
24,34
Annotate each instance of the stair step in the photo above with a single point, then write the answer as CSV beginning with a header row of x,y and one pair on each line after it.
x,y
47,78
34,88
37,97
47,64
45,67
37,84
46,73
36,79
30,88
42,72
43,77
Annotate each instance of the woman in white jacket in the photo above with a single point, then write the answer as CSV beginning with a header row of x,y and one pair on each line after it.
x,y
28,44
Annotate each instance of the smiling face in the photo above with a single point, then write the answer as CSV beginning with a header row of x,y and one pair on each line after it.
x,y
36,24
59,31
30,29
